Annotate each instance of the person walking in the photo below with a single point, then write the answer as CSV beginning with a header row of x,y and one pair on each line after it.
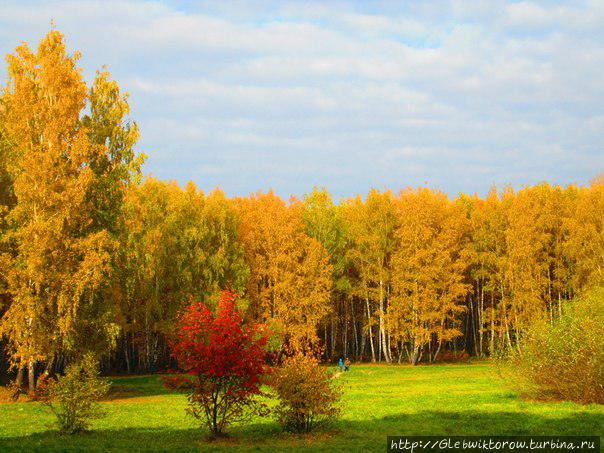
x,y
341,364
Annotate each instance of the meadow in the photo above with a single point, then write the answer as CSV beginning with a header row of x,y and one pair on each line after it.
x,y
379,400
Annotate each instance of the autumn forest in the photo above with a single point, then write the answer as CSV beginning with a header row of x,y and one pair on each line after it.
x,y
97,258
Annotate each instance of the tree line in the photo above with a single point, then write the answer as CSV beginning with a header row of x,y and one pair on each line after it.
x,y
95,258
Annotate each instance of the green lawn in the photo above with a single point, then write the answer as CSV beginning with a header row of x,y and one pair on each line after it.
x,y
379,401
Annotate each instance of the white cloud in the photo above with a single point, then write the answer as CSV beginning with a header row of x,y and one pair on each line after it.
x,y
288,94
534,15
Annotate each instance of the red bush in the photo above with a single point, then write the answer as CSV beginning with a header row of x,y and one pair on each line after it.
x,y
223,361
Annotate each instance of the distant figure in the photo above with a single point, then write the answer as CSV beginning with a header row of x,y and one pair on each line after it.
x,y
341,364
346,365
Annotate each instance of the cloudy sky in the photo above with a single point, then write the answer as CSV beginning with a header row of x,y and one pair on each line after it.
x,y
250,95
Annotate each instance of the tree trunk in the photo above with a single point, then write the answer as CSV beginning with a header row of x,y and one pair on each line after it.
x,y
369,330
48,368
383,345
345,330
492,344
147,359
481,320
126,355
361,352
333,336
325,341
354,329
416,356
505,319
21,376
473,324
517,332
440,343
31,376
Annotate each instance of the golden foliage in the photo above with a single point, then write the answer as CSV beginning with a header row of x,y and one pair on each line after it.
x,y
428,287
290,279
87,248
64,174
308,395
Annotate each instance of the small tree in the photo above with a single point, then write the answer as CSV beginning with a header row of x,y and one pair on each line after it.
x,y
564,360
224,360
308,395
73,398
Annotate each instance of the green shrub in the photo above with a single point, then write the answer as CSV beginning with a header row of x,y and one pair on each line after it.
x,y
565,360
73,398
308,396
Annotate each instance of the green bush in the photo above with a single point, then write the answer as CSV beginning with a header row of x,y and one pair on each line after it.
x,y
73,398
565,360
308,396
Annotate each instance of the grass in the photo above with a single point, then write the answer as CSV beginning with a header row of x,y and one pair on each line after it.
x,y
379,401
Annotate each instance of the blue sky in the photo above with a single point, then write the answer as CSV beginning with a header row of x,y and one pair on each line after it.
x,y
249,95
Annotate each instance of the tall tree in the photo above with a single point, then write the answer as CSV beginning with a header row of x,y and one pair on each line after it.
x,y
323,222
6,245
68,180
290,276
488,224
428,273
177,245
584,247
537,273
370,240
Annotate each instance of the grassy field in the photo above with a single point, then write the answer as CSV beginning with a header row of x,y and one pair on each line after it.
x,y
379,401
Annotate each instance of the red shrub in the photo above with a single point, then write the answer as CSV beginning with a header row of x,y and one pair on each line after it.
x,y
223,361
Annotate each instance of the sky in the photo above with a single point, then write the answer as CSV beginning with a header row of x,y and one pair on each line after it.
x,y
349,95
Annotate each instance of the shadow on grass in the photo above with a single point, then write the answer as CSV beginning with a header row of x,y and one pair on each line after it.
x,y
366,435
497,423
136,386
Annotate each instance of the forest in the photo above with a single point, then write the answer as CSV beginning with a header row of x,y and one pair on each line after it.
x,y
95,257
